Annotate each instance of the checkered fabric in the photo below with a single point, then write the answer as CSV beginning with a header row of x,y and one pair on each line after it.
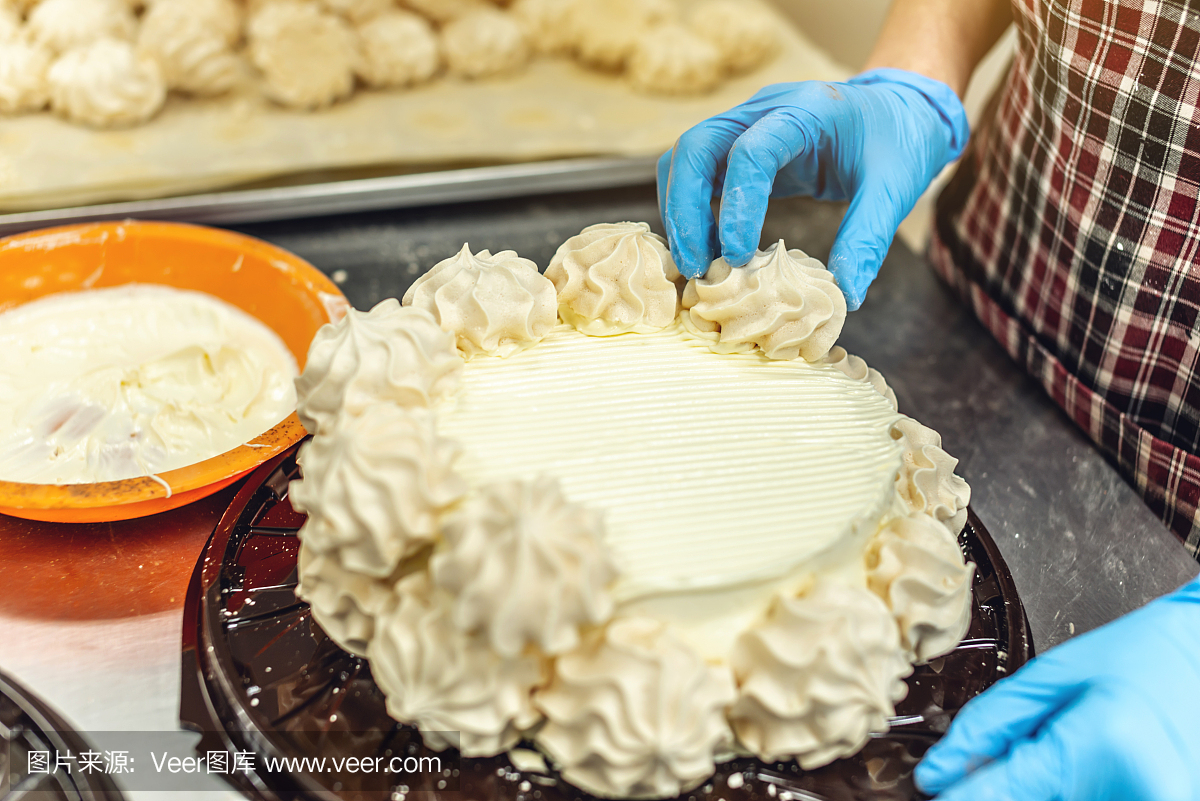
x,y
1072,228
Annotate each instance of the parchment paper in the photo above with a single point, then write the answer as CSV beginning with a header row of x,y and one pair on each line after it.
x,y
554,109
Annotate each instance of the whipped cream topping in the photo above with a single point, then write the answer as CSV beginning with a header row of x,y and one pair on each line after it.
x,y
449,682
615,277
492,304
635,713
799,448
818,675
856,368
916,566
344,602
927,483
134,380
782,302
375,483
526,567
390,353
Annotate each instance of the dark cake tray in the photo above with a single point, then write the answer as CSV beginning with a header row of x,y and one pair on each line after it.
x,y
260,677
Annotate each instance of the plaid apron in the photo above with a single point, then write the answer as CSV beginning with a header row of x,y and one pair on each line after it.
x,y
1072,228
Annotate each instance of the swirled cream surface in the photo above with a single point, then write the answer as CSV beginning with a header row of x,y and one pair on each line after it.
x,y
717,475
133,380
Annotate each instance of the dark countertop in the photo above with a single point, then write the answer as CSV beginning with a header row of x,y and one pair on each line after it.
x,y
1082,546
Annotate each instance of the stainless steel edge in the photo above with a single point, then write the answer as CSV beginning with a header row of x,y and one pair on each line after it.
x,y
366,194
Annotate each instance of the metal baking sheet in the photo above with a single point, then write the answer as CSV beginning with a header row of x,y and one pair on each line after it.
x,y
363,194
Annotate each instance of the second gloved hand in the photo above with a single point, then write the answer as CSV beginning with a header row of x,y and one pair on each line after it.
x,y
877,141
1113,715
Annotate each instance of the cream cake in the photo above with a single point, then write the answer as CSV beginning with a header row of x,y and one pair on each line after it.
x,y
642,523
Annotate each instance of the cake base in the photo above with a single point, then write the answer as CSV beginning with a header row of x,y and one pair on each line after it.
x,y
260,676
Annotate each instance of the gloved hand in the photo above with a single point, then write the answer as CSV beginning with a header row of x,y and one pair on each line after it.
x,y
877,141
1113,714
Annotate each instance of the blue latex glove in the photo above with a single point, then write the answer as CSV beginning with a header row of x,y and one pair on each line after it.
x,y
877,141
1113,714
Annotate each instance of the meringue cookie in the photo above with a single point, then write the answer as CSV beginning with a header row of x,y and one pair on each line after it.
x,y
927,483
443,11
546,24
604,33
745,34
389,353
492,304
106,83
444,681
856,368
635,713
358,11
307,57
194,56
398,49
525,566
10,23
376,482
344,603
918,569
616,277
817,676
23,68
484,43
222,16
669,59
65,24
782,301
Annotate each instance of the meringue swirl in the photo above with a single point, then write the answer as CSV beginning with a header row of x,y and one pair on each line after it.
x,y
856,368
782,301
635,713
376,482
817,676
525,566
917,568
615,277
927,483
449,682
344,603
492,304
387,354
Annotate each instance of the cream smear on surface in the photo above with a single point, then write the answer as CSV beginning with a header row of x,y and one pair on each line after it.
x,y
720,477
133,380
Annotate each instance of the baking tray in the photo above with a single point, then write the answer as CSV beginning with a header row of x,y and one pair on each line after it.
x,y
260,676
361,194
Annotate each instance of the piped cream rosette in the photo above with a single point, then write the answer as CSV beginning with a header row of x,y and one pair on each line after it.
x,y
488,610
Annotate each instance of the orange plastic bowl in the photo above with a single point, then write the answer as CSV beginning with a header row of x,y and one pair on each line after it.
x,y
280,289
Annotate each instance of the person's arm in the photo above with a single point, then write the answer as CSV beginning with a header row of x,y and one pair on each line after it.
x,y
940,39
877,141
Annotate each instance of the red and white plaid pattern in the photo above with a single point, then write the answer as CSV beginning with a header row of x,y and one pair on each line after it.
x,y
1072,227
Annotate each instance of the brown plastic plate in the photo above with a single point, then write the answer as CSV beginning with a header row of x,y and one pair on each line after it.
x,y
260,676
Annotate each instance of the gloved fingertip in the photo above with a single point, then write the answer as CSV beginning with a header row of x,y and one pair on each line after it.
x,y
738,258
928,778
853,286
